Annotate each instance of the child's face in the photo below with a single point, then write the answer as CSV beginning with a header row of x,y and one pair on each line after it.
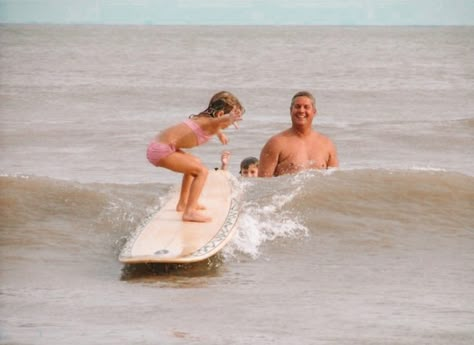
x,y
252,171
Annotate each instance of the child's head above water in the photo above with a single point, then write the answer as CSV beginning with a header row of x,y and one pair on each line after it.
x,y
225,101
249,167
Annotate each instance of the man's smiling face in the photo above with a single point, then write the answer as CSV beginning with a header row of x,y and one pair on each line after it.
x,y
302,111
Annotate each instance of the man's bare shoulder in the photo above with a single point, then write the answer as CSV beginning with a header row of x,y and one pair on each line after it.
x,y
275,144
280,137
324,139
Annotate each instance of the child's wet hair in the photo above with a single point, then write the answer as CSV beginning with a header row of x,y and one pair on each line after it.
x,y
223,100
219,105
247,162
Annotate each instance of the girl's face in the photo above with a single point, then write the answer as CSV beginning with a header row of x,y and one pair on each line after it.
x,y
251,171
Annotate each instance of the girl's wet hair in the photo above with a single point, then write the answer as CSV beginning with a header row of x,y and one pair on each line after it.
x,y
217,106
223,100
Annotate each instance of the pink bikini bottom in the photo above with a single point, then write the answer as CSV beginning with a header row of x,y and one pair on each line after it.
x,y
158,151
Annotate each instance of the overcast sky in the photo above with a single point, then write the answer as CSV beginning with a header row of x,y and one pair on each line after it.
x,y
240,12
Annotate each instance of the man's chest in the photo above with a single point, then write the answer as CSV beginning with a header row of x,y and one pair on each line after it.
x,y
304,157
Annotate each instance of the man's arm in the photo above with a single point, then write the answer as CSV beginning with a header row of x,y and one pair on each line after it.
x,y
268,159
333,161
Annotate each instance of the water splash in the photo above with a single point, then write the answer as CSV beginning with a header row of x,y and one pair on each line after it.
x,y
263,220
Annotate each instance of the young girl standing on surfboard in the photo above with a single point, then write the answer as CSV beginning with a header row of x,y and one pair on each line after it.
x,y
165,150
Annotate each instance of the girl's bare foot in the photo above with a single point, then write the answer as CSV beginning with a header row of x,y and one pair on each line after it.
x,y
180,208
196,217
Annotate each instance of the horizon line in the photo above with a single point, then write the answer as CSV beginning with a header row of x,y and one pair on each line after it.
x,y
221,24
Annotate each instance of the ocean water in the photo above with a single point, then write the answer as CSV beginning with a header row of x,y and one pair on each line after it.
x,y
379,251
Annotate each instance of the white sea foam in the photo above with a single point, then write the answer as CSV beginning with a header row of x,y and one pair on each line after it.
x,y
259,223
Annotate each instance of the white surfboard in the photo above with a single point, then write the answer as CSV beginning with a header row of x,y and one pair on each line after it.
x,y
166,238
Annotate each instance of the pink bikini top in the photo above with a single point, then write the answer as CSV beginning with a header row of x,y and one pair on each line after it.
x,y
200,135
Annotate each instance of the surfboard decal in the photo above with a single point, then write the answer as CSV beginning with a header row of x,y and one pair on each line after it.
x,y
223,233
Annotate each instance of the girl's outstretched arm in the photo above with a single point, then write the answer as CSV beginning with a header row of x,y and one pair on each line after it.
x,y
222,121
222,137
230,119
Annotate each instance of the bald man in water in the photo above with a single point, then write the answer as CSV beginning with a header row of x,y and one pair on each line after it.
x,y
299,147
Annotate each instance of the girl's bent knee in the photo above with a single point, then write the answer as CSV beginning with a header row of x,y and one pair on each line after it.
x,y
200,171
203,171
